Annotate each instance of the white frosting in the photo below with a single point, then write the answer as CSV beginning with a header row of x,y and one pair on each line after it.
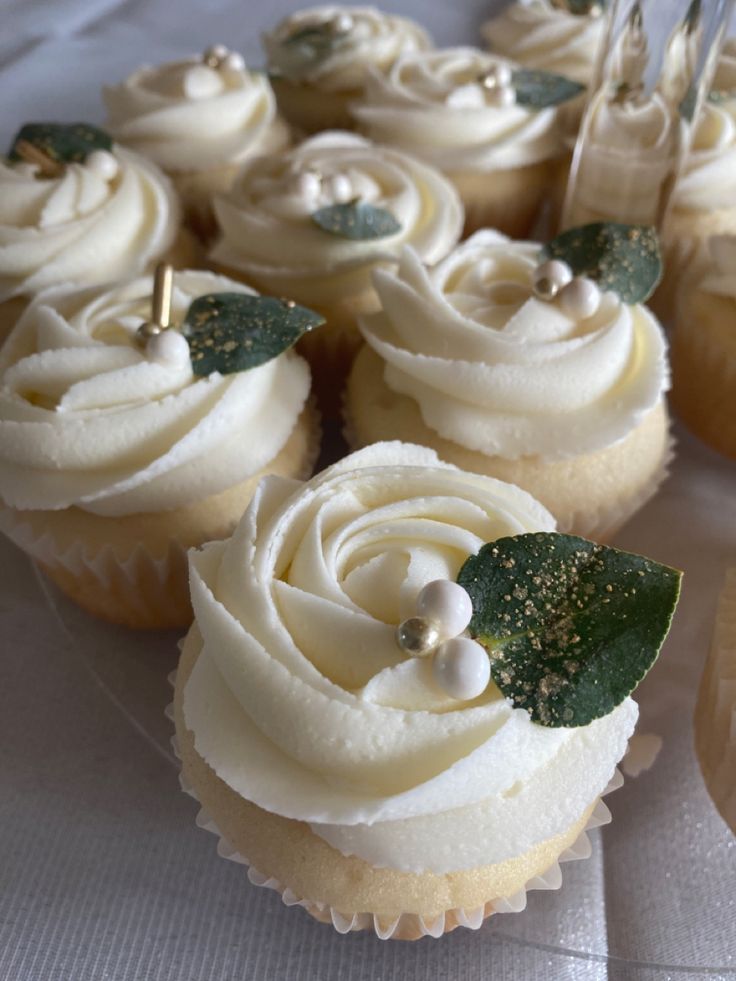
x,y
714,266
539,35
302,701
499,371
265,218
80,228
87,419
629,153
708,179
190,117
373,40
432,105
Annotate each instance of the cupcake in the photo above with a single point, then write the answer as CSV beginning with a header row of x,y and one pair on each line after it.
x,y
521,371
491,127
704,201
561,37
715,713
314,223
76,209
121,446
319,58
354,743
198,119
704,345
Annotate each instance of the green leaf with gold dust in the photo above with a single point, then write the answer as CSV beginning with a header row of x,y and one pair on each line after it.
x,y
571,627
586,8
306,47
536,89
229,332
624,259
65,143
356,220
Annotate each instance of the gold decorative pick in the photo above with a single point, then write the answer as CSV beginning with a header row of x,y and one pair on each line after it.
x,y
33,154
163,283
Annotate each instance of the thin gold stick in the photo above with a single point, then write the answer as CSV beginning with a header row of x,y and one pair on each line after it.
x,y
33,154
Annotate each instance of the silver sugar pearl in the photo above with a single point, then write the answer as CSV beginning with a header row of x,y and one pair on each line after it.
x,y
417,636
146,331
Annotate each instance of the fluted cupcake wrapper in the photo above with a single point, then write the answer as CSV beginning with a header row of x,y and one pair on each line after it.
x,y
407,926
715,712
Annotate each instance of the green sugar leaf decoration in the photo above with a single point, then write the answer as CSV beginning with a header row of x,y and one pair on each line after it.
x,y
584,8
571,627
538,89
624,259
229,332
718,96
356,220
64,143
306,47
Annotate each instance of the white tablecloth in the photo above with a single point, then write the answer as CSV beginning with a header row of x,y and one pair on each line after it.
x,y
103,874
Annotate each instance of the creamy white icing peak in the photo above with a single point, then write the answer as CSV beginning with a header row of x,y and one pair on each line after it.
x,y
188,116
423,105
80,228
88,420
497,370
373,39
265,218
539,35
319,715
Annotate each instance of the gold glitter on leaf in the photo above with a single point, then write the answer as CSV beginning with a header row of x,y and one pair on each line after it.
x,y
356,220
65,143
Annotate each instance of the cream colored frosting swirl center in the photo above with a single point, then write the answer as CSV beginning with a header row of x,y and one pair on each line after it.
x,y
87,419
497,370
303,703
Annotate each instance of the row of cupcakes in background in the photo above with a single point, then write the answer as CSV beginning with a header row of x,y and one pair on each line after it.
x,y
133,428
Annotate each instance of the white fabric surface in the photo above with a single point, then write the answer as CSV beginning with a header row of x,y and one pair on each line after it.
x,y
103,874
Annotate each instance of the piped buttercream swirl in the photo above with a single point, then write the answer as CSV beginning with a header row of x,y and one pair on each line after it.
x,y
303,703
81,228
188,116
265,218
369,39
497,370
433,104
87,419
538,34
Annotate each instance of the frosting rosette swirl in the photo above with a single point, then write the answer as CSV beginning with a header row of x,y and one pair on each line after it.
x,y
189,116
268,232
362,38
87,419
82,227
539,35
433,104
708,180
321,718
497,370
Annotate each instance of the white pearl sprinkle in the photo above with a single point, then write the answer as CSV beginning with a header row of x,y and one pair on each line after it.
x,y
168,347
342,23
338,188
233,62
502,97
308,185
468,96
550,277
216,52
580,298
447,605
503,75
201,82
462,668
102,163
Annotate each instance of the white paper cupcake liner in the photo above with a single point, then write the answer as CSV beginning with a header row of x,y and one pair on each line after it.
x,y
715,712
408,925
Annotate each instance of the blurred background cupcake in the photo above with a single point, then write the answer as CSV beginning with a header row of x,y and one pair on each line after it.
x,y
118,451
464,111
313,224
85,211
198,119
318,59
505,369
